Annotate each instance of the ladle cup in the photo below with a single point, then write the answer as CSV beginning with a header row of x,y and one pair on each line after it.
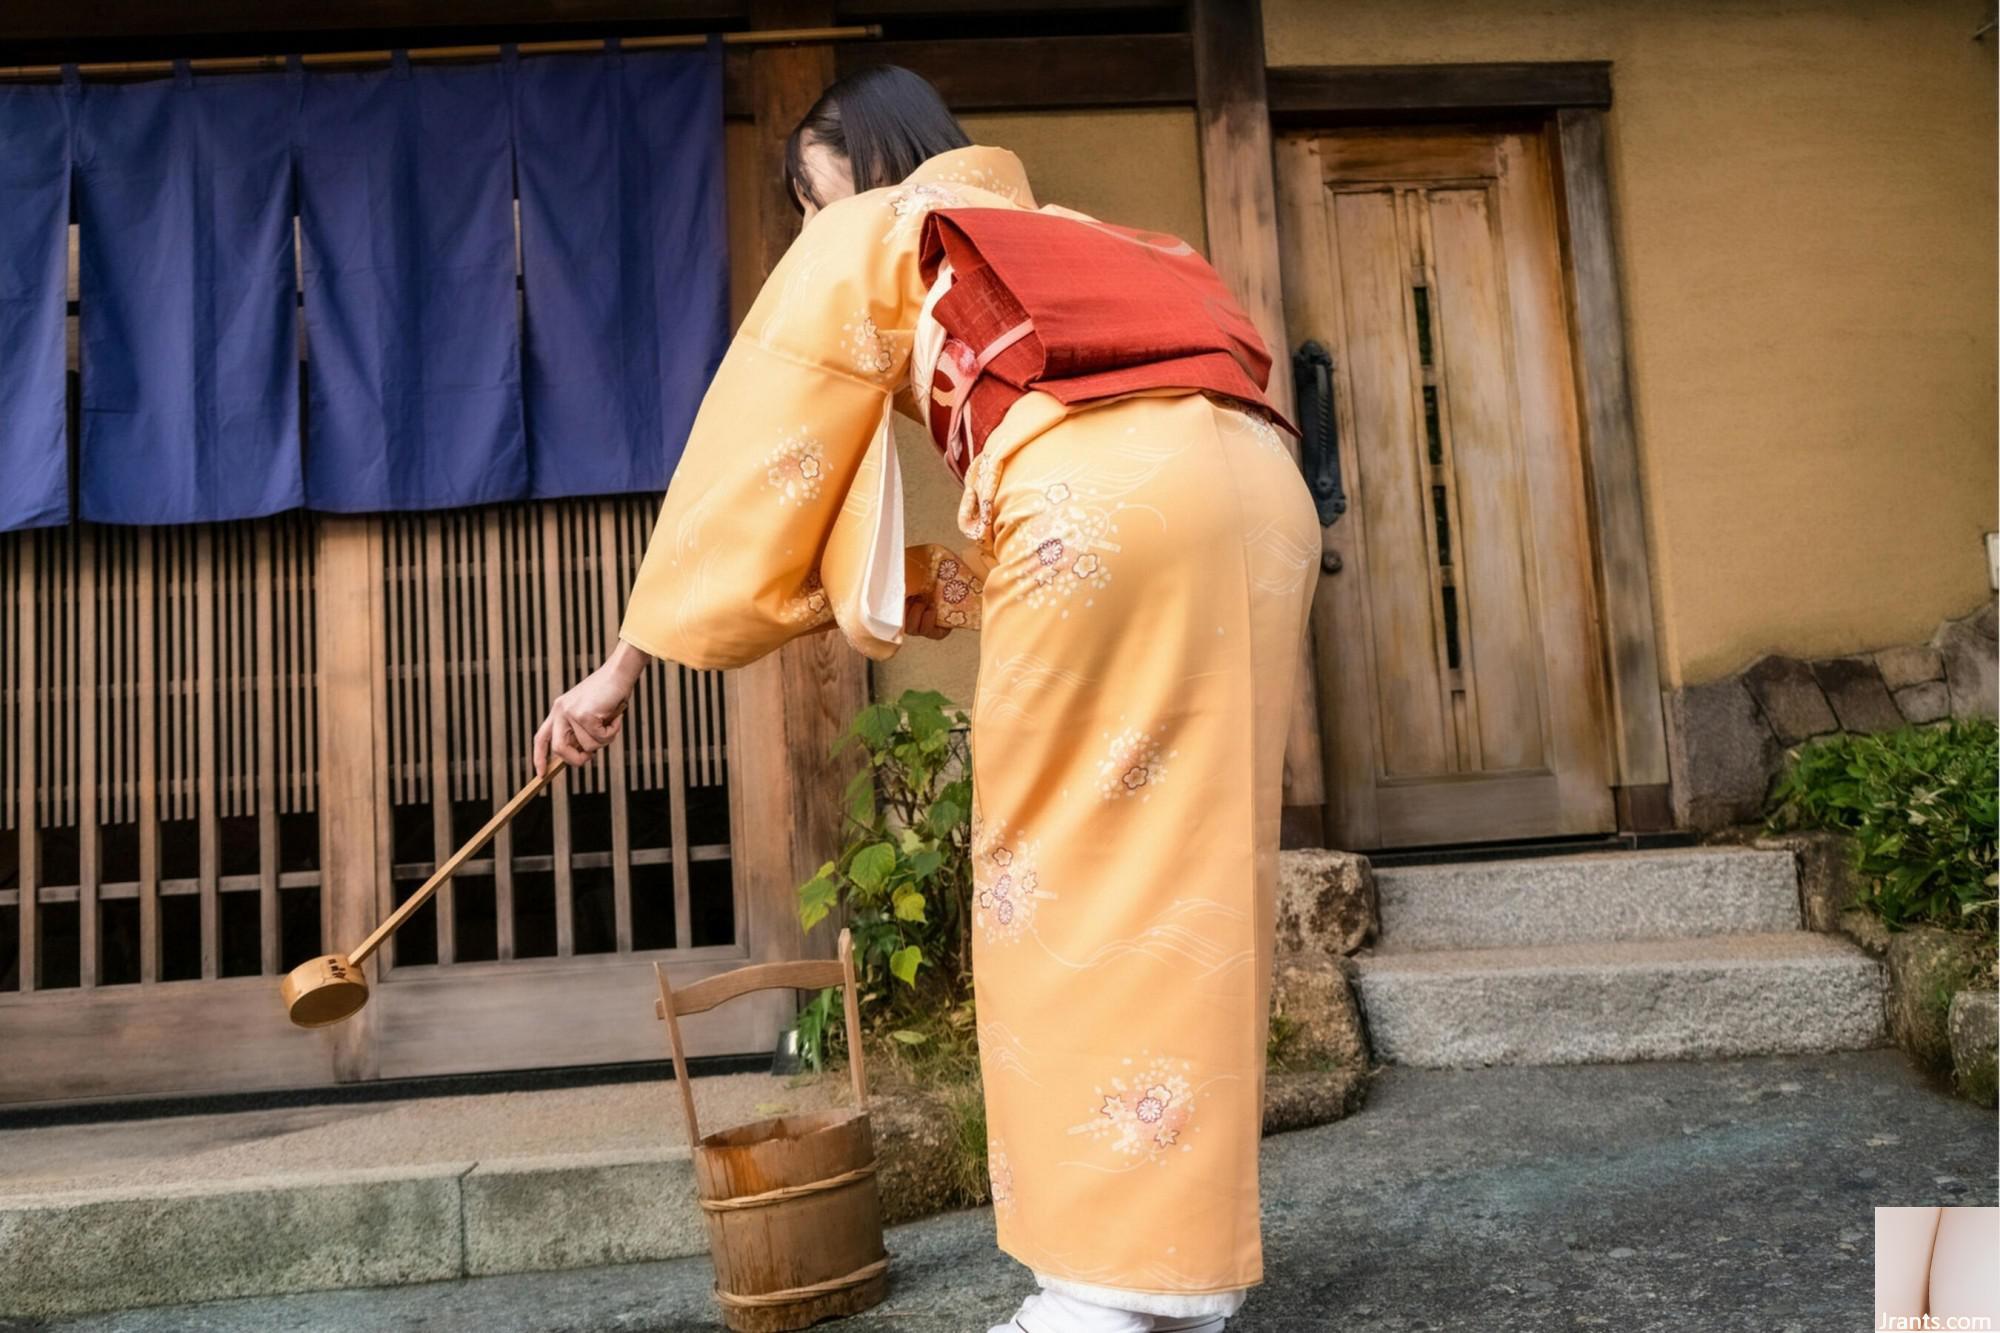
x,y
326,989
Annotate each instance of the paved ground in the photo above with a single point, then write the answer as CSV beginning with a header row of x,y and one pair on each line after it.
x,y
485,1127
1683,1197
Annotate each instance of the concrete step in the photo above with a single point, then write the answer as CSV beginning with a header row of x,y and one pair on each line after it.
x,y
1579,1002
1676,892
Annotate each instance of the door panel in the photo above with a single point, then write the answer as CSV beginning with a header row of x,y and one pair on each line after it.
x,y
1461,683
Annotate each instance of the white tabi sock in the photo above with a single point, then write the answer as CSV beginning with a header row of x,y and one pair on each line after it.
x,y
1055,1312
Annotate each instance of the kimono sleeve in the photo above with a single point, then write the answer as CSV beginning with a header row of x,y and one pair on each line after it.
x,y
732,568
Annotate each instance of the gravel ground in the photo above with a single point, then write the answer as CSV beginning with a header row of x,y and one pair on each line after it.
x,y
1668,1196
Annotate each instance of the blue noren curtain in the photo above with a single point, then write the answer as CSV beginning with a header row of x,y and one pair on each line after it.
x,y
412,332
34,246
625,257
189,299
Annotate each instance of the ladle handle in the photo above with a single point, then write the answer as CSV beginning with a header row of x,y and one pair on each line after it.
x,y
449,868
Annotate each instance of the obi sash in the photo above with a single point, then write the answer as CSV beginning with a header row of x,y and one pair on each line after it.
x,y
1078,309
1020,300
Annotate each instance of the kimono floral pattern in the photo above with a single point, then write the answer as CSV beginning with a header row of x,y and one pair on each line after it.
x,y
981,178
1146,1115
1134,764
1071,538
811,605
975,505
1006,882
868,349
1001,1174
910,203
955,590
795,466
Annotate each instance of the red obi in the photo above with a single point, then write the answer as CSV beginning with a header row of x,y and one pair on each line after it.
x,y
1078,310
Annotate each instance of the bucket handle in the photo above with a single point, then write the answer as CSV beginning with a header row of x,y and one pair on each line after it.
x,y
805,974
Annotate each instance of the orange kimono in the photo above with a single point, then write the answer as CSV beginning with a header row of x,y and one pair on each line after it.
x,y
1140,572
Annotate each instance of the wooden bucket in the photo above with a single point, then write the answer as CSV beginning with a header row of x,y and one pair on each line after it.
x,y
794,1219
793,1212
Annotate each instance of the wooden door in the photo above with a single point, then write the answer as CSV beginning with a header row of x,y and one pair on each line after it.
x,y
1462,686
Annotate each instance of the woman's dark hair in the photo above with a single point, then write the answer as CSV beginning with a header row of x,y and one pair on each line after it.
x,y
885,120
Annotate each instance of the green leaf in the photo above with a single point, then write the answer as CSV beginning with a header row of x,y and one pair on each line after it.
x,y
874,725
872,865
859,798
909,906
817,897
944,815
909,1038
914,700
904,962
927,722
925,863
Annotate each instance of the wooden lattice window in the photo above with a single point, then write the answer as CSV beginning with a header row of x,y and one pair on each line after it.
x,y
630,854
158,754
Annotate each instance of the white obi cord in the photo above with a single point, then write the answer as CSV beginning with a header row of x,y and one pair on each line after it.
x,y
883,586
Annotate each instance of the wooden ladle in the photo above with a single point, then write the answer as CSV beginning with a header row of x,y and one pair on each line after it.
x,y
329,988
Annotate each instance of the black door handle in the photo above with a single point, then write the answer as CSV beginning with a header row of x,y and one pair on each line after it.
x,y
1319,451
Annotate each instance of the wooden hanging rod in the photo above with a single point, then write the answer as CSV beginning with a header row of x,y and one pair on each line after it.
x,y
581,46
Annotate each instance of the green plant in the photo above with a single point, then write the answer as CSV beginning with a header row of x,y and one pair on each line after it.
x,y
1921,805
903,878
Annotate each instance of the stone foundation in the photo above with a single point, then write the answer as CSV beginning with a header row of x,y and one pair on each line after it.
x,y
1727,738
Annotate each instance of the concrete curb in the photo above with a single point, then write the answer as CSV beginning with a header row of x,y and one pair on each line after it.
x,y
110,1249
91,1250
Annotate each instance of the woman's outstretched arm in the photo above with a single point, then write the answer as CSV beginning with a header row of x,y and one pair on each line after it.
x,y
733,567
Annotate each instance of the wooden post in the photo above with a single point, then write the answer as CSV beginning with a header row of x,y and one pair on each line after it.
x,y
266,652
351,854
32,546
804,695
1240,206
207,804
149,764
89,768
1611,450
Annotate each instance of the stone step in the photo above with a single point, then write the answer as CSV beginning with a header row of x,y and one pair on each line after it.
x,y
1581,1002
1627,895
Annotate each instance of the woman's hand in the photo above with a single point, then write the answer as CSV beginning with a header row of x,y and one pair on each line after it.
x,y
592,713
920,617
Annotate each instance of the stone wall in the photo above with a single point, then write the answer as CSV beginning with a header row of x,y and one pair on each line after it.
x,y
1727,738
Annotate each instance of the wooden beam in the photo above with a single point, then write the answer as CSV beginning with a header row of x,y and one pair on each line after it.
x,y
1329,93
1611,450
1041,73
854,10
1240,205
183,19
